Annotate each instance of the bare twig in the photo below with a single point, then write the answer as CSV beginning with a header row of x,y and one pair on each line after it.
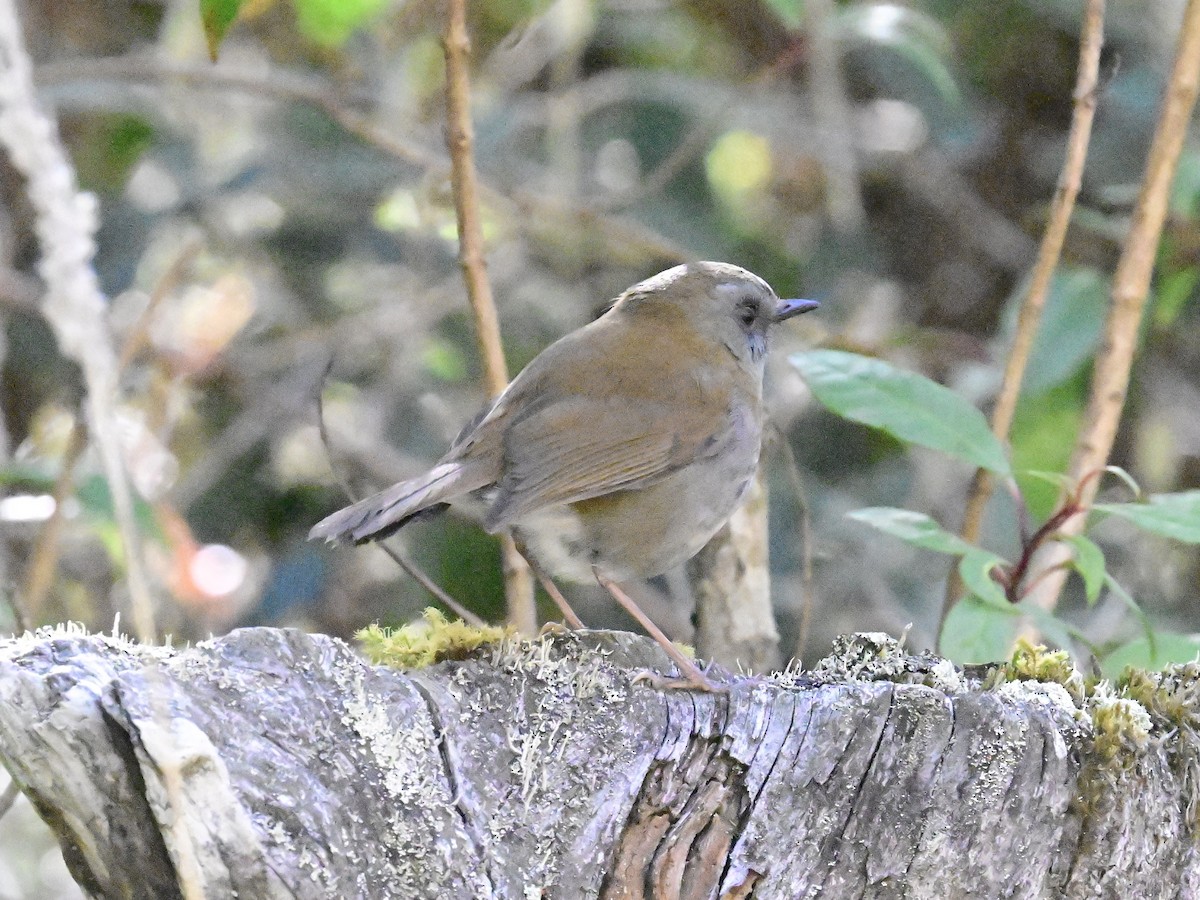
x,y
807,596
1069,183
1131,285
8,797
460,137
139,334
45,555
74,305
617,231
44,560
833,118
398,556
280,86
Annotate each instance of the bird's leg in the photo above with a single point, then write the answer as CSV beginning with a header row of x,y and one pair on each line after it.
x,y
572,620
693,679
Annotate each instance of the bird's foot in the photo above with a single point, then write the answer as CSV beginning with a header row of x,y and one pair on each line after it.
x,y
688,681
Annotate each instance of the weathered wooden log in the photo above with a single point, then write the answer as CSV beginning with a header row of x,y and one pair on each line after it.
x,y
276,763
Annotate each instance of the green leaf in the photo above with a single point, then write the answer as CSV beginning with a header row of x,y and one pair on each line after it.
x,y
1129,481
444,360
1059,631
1069,331
975,570
1089,563
26,475
1175,516
1061,480
1132,605
96,499
331,22
913,528
790,11
1151,654
976,632
1174,291
905,405
916,37
217,16
1043,432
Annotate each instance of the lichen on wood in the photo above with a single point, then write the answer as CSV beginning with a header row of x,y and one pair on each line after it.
x,y
542,769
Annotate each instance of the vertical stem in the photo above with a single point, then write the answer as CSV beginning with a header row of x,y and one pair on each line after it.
x,y
1069,181
460,139
73,305
832,110
731,581
1131,286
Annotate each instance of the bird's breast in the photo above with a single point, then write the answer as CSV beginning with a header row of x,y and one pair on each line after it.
x,y
646,531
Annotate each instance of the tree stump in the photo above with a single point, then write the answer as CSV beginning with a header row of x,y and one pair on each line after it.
x,y
274,763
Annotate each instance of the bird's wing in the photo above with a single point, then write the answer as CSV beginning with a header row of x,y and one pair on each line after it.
x,y
582,447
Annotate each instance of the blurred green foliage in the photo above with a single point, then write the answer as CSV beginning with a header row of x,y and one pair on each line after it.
x,y
290,206
982,624
300,187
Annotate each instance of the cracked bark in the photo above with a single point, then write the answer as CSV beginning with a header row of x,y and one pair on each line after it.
x,y
541,770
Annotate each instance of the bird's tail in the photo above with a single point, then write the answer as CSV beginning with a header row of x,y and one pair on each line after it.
x,y
379,515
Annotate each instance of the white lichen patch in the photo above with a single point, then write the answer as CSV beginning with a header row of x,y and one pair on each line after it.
x,y
873,656
29,641
565,697
995,755
945,677
410,782
1048,694
400,753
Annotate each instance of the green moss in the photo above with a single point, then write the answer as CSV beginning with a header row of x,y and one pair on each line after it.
x,y
1120,726
1172,694
431,640
1034,662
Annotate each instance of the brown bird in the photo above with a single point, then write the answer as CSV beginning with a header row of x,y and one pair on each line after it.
x,y
643,426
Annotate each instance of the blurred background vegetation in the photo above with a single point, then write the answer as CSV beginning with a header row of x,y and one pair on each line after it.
x,y
290,205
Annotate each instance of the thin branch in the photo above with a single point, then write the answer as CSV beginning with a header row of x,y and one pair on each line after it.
x,y
74,306
520,207
8,797
460,137
139,334
1069,182
831,107
398,556
807,594
44,559
280,86
1131,287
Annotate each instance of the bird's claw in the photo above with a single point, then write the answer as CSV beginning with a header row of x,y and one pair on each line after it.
x,y
556,629
662,682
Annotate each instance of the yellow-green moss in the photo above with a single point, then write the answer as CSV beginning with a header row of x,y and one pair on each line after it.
x,y
431,640
1120,726
1172,694
1034,662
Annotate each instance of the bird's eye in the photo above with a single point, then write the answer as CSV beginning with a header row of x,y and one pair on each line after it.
x,y
747,313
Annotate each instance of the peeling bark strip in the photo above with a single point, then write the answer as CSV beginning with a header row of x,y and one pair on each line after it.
x,y
539,770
